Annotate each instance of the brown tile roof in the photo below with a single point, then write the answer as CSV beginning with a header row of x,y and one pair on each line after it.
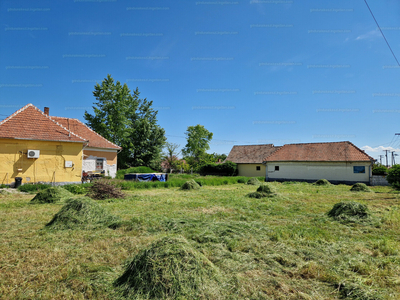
x,y
250,154
30,123
336,151
95,139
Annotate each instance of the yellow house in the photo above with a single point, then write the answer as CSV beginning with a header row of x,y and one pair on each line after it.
x,y
38,149
249,158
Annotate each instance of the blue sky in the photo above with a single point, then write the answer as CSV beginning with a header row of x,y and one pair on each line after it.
x,y
251,72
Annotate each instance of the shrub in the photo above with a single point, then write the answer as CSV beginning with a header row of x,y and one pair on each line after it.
x,y
170,268
104,189
241,180
349,211
82,213
360,187
142,169
225,169
77,189
253,181
393,176
52,195
322,182
379,170
29,187
190,185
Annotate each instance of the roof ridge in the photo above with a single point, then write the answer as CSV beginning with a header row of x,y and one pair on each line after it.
x,y
97,133
362,151
16,113
318,143
278,149
48,117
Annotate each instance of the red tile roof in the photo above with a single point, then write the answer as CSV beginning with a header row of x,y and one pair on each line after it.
x,y
30,123
250,154
336,151
95,140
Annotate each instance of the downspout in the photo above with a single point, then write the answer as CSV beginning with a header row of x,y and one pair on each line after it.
x,y
266,170
84,146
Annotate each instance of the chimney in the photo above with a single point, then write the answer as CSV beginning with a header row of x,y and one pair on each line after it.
x,y
46,110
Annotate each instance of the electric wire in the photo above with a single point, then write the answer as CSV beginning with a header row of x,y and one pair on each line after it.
x,y
382,32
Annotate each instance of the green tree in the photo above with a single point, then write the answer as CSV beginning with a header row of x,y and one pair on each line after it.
x,y
198,139
128,121
393,176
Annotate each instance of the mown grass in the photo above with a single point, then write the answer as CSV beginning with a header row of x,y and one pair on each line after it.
x,y
283,247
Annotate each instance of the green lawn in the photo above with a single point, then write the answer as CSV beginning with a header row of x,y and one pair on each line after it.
x,y
283,247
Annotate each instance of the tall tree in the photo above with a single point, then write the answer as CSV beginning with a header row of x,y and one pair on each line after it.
x,y
198,139
128,121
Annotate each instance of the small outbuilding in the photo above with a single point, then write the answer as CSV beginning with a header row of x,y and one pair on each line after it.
x,y
249,158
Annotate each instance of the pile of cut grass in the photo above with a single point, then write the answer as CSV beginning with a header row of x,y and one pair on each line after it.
x,y
322,182
51,195
264,190
170,268
190,185
82,213
350,212
360,187
253,181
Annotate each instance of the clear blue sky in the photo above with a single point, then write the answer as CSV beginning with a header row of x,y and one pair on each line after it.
x,y
251,72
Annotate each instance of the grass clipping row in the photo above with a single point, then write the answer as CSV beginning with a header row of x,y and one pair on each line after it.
x,y
82,213
170,268
52,195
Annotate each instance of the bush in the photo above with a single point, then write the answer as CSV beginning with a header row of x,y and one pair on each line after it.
x,y
82,213
360,187
105,189
190,185
226,169
241,180
253,181
393,176
322,182
33,188
170,268
142,169
349,212
379,170
52,195
78,189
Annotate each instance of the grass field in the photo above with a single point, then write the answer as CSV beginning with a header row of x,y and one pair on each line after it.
x,y
281,247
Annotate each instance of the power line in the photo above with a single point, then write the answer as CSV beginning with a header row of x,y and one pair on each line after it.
x,y
382,32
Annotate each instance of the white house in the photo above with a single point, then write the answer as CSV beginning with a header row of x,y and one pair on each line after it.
x,y
338,162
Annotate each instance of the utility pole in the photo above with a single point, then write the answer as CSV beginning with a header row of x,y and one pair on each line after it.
x,y
387,165
380,158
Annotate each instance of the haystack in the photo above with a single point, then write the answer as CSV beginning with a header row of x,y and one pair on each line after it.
x,y
170,268
82,213
264,190
52,195
190,185
360,187
322,182
349,211
253,181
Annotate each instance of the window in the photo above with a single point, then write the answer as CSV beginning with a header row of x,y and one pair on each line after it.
x,y
258,168
276,168
358,169
99,164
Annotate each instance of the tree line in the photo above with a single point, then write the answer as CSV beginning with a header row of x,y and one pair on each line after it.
x,y
130,122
